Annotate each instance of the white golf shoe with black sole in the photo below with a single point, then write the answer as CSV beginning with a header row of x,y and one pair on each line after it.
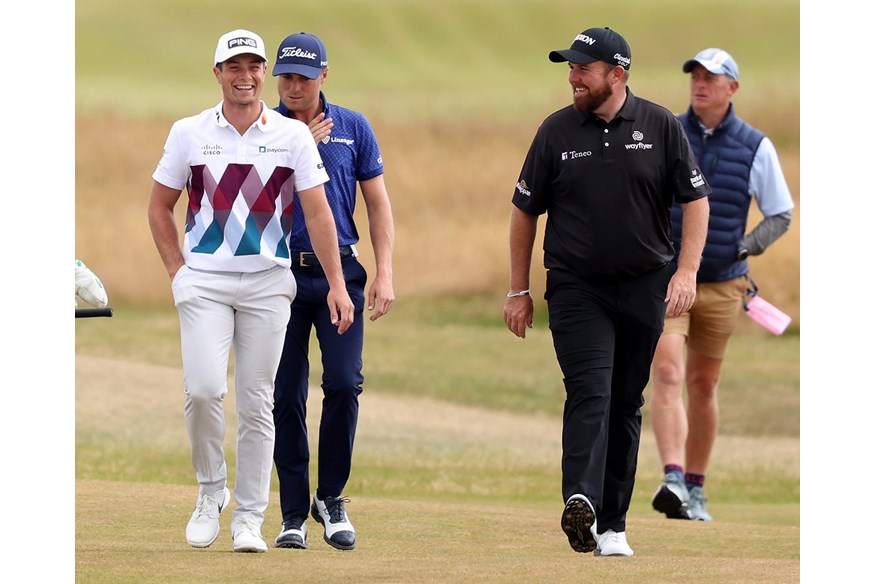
x,y
339,532
293,535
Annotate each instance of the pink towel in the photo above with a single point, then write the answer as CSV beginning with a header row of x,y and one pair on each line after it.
x,y
767,315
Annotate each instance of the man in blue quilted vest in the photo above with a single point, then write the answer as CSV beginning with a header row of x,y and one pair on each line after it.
x,y
740,163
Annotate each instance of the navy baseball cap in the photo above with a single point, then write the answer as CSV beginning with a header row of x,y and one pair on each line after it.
x,y
595,44
716,61
301,53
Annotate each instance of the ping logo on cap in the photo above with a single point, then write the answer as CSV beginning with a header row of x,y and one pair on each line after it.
x,y
242,42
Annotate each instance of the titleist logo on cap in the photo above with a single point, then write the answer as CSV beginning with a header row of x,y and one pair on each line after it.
x,y
288,52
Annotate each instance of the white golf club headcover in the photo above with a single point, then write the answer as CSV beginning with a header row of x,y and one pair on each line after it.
x,y
89,287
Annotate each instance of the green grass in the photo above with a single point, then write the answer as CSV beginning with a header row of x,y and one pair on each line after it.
x,y
436,445
459,351
459,354
422,58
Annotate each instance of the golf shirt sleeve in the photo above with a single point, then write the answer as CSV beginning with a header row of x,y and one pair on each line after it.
x,y
767,181
686,179
532,192
173,169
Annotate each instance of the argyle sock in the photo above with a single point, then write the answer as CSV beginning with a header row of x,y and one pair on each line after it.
x,y
694,480
674,469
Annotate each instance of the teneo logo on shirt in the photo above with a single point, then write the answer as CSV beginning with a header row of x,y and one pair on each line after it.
x,y
266,150
696,179
638,137
573,154
523,189
242,42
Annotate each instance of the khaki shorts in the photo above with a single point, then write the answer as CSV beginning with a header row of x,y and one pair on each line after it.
x,y
709,325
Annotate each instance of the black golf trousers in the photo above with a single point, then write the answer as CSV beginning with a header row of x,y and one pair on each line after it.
x,y
605,333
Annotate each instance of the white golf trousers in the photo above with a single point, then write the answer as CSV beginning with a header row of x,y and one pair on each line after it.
x,y
249,311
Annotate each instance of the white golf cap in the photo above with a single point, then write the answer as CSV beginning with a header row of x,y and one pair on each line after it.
x,y
238,42
716,61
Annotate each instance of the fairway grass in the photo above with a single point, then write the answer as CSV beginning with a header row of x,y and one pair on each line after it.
x,y
134,532
440,493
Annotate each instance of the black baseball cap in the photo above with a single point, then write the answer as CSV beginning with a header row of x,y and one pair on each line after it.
x,y
595,44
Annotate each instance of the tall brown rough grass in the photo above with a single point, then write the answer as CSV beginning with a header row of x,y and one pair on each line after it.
x,y
450,183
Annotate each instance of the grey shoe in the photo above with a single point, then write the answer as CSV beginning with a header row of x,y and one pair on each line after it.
x,y
579,523
698,505
672,498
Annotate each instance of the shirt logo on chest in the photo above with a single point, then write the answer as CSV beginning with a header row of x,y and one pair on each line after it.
x,y
638,144
573,154
211,150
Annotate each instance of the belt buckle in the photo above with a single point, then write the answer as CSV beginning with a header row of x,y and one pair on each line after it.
x,y
301,256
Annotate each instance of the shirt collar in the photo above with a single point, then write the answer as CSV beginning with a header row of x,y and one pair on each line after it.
x,y
326,107
728,119
263,122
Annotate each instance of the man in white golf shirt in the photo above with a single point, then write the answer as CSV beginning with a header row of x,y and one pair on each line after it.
x,y
241,163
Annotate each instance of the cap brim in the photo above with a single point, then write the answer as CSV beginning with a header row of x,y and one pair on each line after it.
x,y
237,53
305,70
571,56
691,63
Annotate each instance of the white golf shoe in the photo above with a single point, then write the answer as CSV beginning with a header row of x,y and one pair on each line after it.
x,y
203,527
579,523
246,536
613,543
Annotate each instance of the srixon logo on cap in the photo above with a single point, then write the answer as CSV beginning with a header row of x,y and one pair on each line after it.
x,y
242,42
584,39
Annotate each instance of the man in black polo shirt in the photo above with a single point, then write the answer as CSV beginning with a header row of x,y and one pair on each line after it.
x,y
606,170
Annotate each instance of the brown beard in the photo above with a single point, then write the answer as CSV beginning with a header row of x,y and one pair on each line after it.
x,y
592,100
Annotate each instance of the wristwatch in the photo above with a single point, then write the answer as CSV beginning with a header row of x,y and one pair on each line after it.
x,y
743,253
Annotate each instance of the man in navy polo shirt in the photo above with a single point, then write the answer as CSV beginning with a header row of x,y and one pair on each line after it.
x,y
351,155
606,170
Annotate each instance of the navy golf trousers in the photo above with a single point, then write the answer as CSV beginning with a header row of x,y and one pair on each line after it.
x,y
605,334
341,385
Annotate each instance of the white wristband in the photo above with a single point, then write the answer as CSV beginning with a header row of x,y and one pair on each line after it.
x,y
516,294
